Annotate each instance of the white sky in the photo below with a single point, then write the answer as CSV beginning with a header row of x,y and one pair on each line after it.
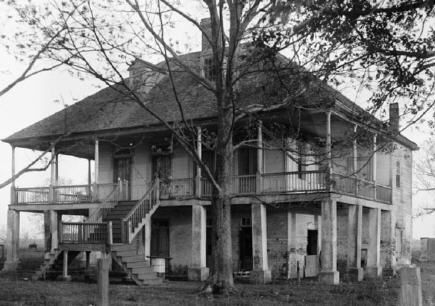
x,y
34,99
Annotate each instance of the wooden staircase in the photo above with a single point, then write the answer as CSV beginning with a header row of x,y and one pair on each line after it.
x,y
53,263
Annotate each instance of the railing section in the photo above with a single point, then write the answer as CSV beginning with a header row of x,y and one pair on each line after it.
x,y
306,181
75,232
245,184
383,193
35,195
72,194
177,188
131,222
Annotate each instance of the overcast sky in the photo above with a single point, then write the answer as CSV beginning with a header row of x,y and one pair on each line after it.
x,y
35,99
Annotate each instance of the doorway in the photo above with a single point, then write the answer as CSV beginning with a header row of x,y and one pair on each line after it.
x,y
245,245
122,173
312,242
160,238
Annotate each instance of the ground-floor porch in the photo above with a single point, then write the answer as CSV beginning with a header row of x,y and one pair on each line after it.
x,y
331,237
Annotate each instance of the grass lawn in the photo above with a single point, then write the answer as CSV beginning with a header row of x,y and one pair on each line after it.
x,y
14,290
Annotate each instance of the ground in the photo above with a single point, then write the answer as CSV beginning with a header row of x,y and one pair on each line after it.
x,y
14,290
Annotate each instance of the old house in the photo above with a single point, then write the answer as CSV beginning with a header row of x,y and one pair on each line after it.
x,y
331,195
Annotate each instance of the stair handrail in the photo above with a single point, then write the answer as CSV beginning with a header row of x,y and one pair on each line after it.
x,y
99,213
130,221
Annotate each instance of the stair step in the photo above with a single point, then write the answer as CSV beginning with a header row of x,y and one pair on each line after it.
x,y
136,258
147,276
127,253
123,247
134,265
143,270
156,281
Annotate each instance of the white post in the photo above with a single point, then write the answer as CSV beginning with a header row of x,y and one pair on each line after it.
x,y
12,239
198,168
355,157
374,166
354,240
374,268
54,229
65,275
96,168
52,196
147,238
13,198
329,148
259,156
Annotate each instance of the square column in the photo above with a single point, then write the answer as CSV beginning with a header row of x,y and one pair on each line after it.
x,y
354,238
147,238
260,272
12,240
54,229
198,270
328,272
374,268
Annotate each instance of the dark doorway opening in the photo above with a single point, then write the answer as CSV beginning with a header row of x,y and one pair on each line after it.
x,y
312,242
245,248
160,238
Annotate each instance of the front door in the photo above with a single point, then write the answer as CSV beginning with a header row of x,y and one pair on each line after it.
x,y
121,173
162,168
160,238
245,248
312,242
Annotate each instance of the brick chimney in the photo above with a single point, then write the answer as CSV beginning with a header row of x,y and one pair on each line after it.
x,y
206,27
394,116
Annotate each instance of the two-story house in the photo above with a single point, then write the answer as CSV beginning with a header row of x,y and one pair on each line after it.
x,y
330,195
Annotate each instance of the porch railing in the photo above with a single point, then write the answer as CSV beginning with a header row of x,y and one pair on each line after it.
x,y
34,195
176,188
245,184
383,193
76,232
72,194
305,181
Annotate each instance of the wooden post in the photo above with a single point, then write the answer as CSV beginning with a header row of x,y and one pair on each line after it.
x,y
109,233
96,167
355,157
374,166
52,175
103,280
65,275
329,148
89,178
88,259
13,197
198,168
259,177
410,287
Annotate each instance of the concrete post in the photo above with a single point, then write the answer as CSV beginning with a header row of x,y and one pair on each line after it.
x,y
328,272
354,238
12,240
103,280
13,197
198,168
198,269
261,272
291,231
374,268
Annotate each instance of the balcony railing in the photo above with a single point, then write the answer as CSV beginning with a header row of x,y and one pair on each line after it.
x,y
93,233
266,183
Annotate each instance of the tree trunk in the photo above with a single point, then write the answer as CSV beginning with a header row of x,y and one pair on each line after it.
x,y
222,272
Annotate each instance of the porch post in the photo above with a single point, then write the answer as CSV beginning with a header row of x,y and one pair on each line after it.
x,y
374,268
355,158
54,230
96,168
147,238
53,163
261,272
259,179
65,275
12,240
374,166
198,270
13,197
328,272
198,168
329,148
354,238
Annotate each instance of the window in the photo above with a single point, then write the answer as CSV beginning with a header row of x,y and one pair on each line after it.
x,y
398,174
209,69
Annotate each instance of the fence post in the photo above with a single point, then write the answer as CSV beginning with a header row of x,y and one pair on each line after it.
x,y
410,287
103,280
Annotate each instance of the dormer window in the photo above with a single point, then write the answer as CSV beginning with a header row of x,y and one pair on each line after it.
x,y
209,69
